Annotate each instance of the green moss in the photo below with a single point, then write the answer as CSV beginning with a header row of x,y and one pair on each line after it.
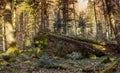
x,y
12,51
99,47
28,42
96,46
108,59
24,7
41,41
92,56
36,50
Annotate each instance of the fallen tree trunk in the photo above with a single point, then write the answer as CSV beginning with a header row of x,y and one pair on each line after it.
x,y
84,47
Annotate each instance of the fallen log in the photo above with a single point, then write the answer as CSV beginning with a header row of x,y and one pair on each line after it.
x,y
86,48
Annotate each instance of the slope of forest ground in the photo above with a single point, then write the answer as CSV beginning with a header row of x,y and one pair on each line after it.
x,y
59,54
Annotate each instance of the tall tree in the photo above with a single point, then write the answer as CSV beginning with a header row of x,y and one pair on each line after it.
x,y
2,8
9,30
112,9
68,14
24,23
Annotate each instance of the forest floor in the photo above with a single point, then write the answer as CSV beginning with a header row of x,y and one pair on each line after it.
x,y
44,63
60,57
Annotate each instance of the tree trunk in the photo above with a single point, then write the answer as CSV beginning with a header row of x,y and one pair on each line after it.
x,y
9,31
112,22
118,39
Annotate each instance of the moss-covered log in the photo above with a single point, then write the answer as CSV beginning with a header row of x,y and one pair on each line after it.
x,y
84,47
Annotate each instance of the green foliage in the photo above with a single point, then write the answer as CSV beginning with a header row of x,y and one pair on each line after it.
x,y
108,59
41,41
97,46
12,51
46,61
109,68
12,60
92,56
60,47
6,57
28,42
24,7
38,50
25,57
35,52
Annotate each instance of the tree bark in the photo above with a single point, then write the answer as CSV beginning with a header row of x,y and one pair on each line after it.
x,y
112,23
9,27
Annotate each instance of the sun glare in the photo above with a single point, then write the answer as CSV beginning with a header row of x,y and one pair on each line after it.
x,y
82,5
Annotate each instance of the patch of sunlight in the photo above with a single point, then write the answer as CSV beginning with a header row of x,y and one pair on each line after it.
x,y
82,5
28,61
38,50
102,43
92,56
8,6
28,42
99,47
9,33
24,7
12,51
41,41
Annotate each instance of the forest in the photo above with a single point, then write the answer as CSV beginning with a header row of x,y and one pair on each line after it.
x,y
59,36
